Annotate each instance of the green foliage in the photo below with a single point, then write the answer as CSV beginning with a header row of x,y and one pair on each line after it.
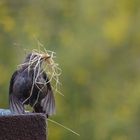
x,y
97,44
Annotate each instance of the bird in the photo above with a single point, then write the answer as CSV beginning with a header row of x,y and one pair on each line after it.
x,y
30,85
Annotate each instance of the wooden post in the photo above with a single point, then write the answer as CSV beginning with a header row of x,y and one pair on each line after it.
x,y
23,127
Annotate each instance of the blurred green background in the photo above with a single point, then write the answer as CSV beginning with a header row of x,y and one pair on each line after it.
x,y
98,49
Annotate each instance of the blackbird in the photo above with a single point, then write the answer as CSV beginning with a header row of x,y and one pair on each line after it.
x,y
29,85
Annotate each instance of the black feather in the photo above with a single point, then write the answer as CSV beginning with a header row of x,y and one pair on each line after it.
x,y
41,98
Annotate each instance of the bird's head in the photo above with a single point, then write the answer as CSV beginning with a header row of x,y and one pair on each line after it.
x,y
36,59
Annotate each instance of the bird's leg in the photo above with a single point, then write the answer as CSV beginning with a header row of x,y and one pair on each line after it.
x,y
38,109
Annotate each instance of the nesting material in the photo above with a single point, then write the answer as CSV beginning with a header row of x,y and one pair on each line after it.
x,y
43,62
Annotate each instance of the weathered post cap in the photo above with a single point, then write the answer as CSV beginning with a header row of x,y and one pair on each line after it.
x,y
23,127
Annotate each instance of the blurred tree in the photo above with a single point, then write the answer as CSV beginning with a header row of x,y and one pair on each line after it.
x,y
97,44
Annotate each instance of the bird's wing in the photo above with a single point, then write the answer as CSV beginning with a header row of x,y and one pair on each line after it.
x,y
48,103
16,106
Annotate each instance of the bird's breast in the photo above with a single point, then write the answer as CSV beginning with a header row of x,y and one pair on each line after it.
x,y
22,85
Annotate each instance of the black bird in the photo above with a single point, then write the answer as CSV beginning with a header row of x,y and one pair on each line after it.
x,y
28,88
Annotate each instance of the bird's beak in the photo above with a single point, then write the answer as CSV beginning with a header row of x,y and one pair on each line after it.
x,y
45,56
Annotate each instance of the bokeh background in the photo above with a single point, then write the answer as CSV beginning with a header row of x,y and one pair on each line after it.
x,y
98,49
